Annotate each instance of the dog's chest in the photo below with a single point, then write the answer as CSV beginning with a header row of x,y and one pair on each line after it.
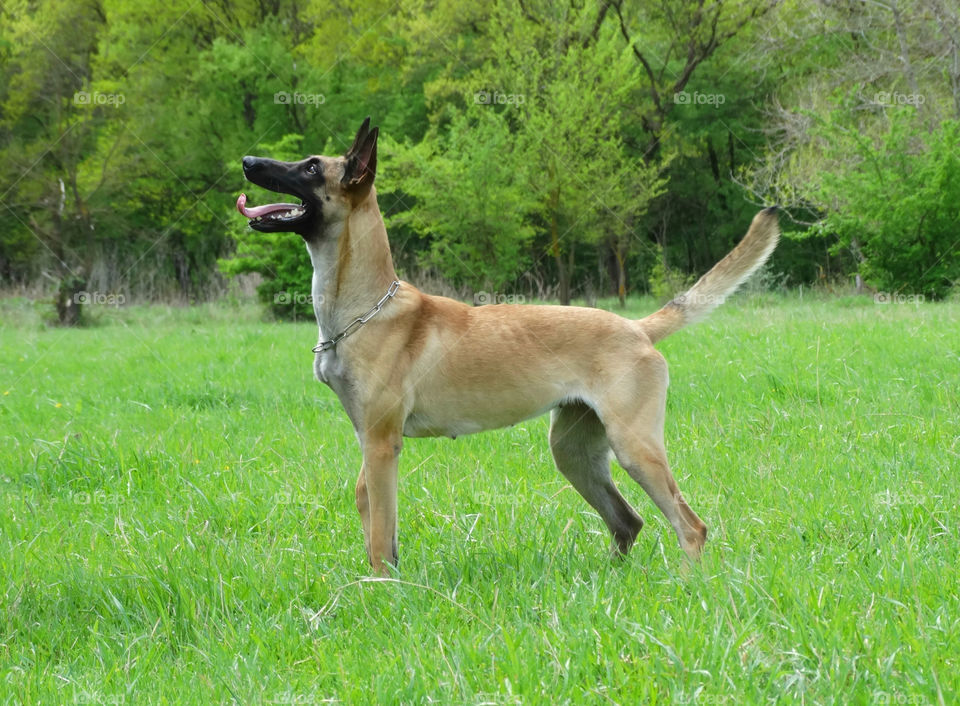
x,y
331,370
323,368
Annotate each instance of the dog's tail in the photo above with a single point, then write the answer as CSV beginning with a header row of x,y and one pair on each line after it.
x,y
720,282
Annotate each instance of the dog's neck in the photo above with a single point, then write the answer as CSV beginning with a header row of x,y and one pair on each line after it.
x,y
352,267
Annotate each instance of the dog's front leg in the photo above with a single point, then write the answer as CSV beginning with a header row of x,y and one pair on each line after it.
x,y
377,500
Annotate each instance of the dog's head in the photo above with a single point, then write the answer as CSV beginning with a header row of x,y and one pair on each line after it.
x,y
329,188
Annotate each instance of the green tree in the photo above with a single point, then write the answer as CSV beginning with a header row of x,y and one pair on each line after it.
x,y
559,85
859,149
467,201
52,123
897,204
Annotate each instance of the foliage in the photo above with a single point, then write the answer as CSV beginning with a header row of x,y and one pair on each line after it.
x,y
898,204
666,282
548,146
860,149
555,89
468,201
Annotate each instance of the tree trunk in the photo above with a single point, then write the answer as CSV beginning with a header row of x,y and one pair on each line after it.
x,y
714,161
947,22
563,276
70,299
908,71
621,275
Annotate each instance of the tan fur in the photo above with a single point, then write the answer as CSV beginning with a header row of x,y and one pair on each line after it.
x,y
720,282
432,366
343,256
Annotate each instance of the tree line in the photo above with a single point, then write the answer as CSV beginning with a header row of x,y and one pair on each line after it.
x,y
562,149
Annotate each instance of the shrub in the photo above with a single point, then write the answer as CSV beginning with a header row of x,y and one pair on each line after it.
x,y
898,204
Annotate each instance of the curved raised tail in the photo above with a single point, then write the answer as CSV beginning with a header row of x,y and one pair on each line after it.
x,y
720,282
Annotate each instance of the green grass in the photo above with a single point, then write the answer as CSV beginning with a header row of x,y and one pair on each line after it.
x,y
177,525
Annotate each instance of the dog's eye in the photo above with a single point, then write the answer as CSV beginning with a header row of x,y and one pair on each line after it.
x,y
312,168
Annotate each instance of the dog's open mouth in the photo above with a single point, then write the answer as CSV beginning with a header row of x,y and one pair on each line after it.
x,y
272,213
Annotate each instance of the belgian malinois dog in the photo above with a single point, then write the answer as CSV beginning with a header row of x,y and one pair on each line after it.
x,y
405,363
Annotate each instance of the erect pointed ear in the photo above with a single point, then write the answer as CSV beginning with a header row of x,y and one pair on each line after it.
x,y
361,136
361,165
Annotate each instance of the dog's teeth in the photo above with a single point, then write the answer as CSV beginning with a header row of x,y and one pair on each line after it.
x,y
281,215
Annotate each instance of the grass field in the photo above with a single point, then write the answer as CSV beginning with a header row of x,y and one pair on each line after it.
x,y
177,525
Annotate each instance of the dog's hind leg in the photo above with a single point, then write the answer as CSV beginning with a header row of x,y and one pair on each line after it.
x,y
634,423
646,461
582,454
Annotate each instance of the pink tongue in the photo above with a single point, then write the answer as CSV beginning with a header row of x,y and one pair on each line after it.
x,y
258,211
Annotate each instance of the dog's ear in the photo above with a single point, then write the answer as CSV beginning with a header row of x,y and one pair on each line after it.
x,y
361,136
361,159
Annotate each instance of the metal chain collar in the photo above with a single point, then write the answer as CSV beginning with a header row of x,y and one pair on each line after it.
x,y
358,322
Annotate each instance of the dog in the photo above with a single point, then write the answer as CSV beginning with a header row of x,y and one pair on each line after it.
x,y
408,364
